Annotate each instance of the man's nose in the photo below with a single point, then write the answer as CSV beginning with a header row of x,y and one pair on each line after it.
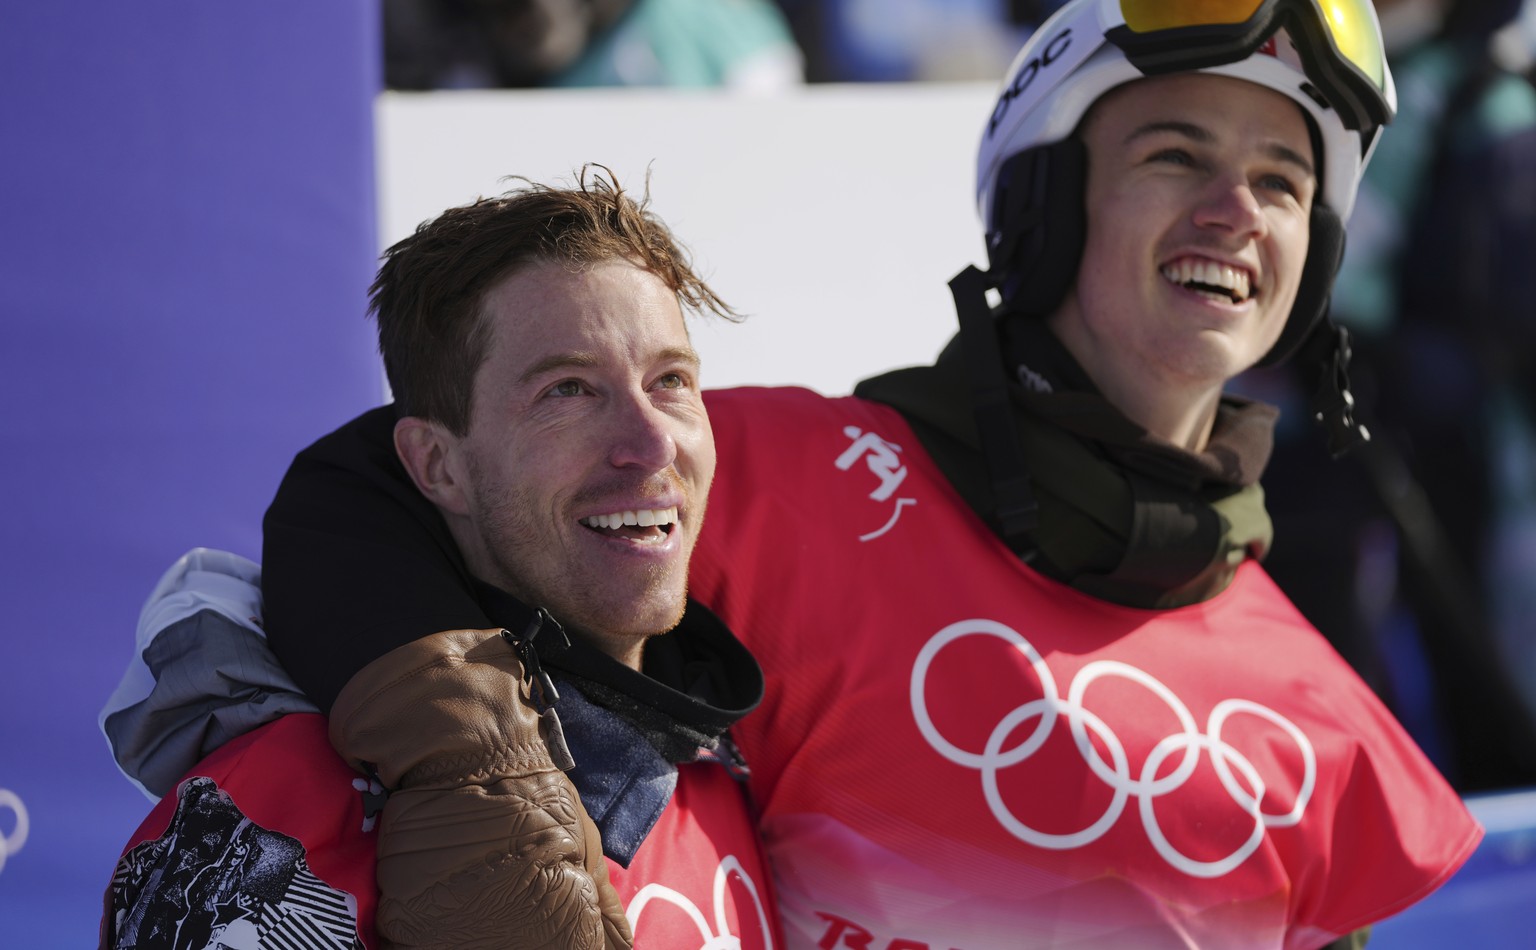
x,y
642,435
1230,205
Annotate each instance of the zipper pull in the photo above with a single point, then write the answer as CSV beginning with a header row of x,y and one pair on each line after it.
x,y
543,688
374,795
728,755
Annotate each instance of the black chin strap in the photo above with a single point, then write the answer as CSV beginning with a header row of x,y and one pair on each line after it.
x,y
1017,512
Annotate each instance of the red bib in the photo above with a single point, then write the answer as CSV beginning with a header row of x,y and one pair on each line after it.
x,y
281,791
700,879
956,752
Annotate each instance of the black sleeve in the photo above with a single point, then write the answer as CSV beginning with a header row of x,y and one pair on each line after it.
x,y
355,561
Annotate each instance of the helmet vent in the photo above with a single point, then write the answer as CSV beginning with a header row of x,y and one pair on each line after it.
x,y
1316,95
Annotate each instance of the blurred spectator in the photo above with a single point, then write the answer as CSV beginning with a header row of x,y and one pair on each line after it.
x,y
912,40
1417,554
1515,43
448,44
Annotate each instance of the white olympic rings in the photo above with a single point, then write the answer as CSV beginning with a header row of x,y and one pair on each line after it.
x,y
11,844
721,938
1247,793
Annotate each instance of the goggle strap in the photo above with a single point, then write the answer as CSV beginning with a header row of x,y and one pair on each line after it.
x,y
1017,511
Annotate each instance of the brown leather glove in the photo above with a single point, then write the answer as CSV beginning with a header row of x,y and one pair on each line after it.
x,y
483,842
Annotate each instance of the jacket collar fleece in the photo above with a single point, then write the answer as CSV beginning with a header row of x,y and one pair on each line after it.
x,y
1123,515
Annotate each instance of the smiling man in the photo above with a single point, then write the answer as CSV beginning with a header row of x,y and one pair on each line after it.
x,y
1027,683
579,481
549,421
1209,182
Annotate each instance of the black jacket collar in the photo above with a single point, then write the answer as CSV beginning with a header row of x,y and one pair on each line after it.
x,y
628,730
697,681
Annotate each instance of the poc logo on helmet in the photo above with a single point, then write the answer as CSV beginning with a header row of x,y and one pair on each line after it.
x,y
1022,80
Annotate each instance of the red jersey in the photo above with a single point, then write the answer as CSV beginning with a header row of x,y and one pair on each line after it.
x,y
957,752
266,840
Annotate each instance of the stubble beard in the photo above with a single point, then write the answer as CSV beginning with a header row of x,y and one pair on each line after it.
x,y
582,600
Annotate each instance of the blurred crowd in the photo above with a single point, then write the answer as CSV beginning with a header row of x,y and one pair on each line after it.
x,y
1415,555
751,44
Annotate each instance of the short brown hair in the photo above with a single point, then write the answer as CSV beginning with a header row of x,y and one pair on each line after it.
x,y
429,293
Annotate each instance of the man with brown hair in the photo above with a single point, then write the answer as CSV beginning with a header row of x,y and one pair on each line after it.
x,y
548,406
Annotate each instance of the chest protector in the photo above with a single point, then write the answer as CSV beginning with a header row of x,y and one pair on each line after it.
x,y
957,753
290,862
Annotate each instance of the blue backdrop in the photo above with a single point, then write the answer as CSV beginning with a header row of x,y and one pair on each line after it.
x,y
187,242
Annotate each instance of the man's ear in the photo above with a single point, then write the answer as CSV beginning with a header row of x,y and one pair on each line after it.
x,y
430,454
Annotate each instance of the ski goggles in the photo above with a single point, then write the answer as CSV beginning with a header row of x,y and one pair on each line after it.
x,y
1338,41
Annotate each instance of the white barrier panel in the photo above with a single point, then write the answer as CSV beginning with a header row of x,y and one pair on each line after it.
x,y
834,216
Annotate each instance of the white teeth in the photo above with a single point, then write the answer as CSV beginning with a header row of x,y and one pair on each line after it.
x,y
1186,271
643,518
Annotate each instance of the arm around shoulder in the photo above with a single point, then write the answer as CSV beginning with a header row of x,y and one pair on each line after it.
x,y
483,841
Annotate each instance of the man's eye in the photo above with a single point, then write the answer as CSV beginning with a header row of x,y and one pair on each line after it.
x,y
672,381
566,387
1280,183
1176,156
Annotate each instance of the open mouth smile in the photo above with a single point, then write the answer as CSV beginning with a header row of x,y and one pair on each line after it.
x,y
1216,281
645,525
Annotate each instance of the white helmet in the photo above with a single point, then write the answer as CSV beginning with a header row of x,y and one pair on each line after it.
x,y
1326,55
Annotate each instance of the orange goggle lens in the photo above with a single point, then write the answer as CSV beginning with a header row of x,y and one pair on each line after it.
x,y
1351,23
1146,16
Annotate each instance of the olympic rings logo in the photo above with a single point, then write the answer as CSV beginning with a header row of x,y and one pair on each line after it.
x,y
11,844
1229,764
720,938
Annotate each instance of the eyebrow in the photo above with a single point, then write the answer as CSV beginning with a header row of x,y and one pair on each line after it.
x,y
581,359
1199,133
